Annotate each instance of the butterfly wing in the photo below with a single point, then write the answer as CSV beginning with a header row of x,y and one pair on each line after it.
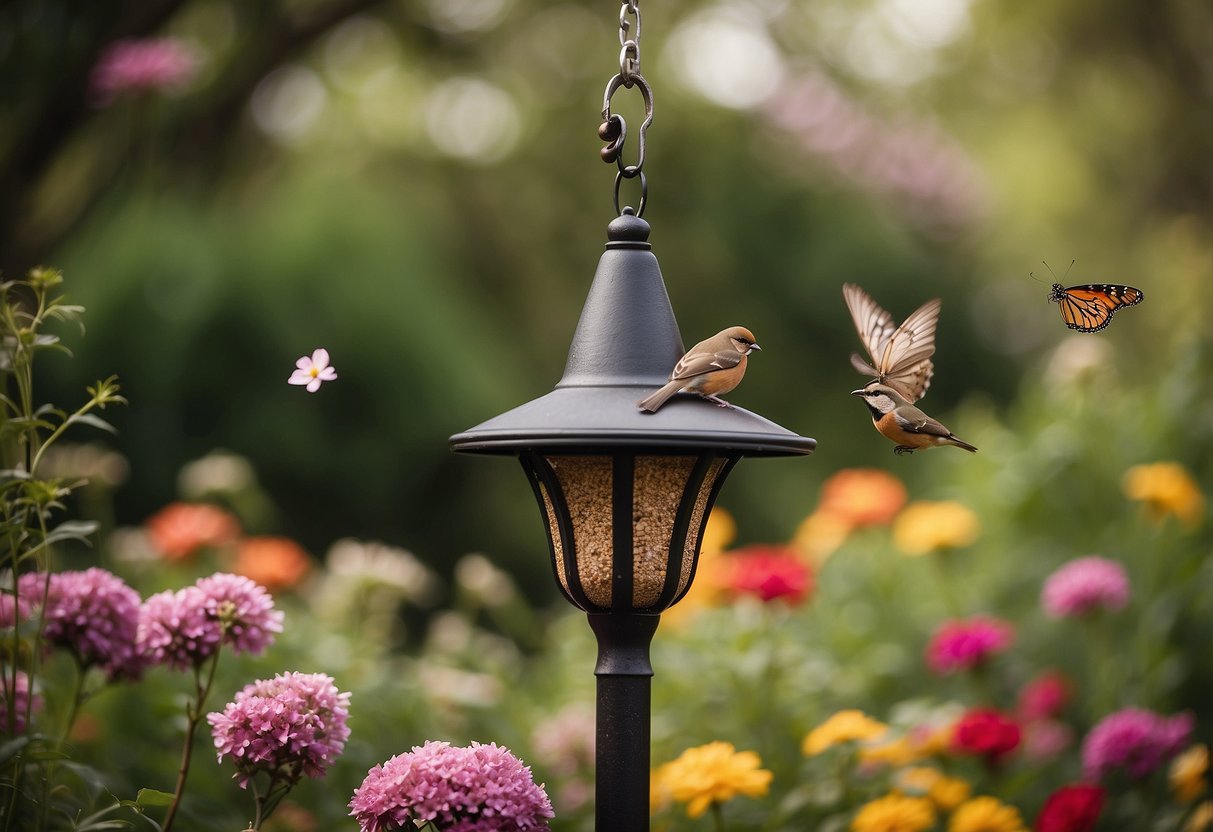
x,y
1090,307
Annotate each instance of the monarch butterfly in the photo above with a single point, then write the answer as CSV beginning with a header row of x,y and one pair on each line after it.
x,y
901,355
1090,307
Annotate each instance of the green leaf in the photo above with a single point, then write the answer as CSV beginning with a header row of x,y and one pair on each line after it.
x,y
91,420
12,748
152,797
72,530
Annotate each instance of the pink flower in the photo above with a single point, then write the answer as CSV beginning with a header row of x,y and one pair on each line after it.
x,y
482,788
1085,585
312,371
20,698
294,723
93,615
987,733
963,644
769,572
1045,696
1071,809
1135,741
1045,739
143,66
184,628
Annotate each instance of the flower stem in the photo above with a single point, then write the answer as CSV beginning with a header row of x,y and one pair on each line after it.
x,y
193,713
718,815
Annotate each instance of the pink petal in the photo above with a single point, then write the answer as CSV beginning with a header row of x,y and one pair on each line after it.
x,y
300,377
320,358
304,363
327,374
313,385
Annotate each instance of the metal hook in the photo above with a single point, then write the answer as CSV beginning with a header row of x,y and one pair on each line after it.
x,y
646,93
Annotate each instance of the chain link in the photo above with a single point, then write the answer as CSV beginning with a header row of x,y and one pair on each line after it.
x,y
629,54
613,129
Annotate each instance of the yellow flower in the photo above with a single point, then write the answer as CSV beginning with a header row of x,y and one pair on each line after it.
x,y
986,814
934,526
712,773
1188,772
945,792
896,753
895,813
720,531
1166,488
1201,818
819,535
844,726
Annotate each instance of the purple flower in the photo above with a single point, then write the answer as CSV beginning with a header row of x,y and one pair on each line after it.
x,y
20,699
964,643
483,788
1085,585
142,66
293,724
92,614
1135,741
184,628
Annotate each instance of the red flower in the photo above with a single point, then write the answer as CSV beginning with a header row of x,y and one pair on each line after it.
x,y
769,572
987,733
1071,809
1044,696
179,529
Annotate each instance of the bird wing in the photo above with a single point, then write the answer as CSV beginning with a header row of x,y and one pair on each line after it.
x,y
913,420
914,380
900,354
697,363
874,325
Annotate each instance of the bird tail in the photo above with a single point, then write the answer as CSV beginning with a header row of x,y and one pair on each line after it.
x,y
960,443
654,402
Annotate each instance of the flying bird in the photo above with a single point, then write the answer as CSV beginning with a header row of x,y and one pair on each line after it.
x,y
710,369
904,423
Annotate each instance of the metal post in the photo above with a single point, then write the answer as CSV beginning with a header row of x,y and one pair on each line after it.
x,y
621,799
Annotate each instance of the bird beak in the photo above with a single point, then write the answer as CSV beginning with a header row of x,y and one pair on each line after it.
x,y
755,347
858,392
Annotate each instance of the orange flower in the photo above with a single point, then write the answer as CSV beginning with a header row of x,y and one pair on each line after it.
x,y
1166,488
819,535
273,562
862,497
180,529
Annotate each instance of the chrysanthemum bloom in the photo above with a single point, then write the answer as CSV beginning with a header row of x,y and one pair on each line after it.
x,y
313,371
93,615
986,814
1166,488
926,527
987,733
147,65
273,562
1071,809
713,773
895,813
20,698
945,792
290,726
842,727
1188,774
1135,741
966,643
770,573
482,788
1044,696
180,529
1085,585
862,497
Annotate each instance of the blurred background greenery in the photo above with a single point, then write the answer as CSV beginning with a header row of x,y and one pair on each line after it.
x,y
415,186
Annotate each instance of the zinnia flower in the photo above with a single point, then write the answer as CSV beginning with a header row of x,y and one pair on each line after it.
x,y
987,733
1085,585
769,572
819,535
483,788
142,66
273,562
1188,774
21,700
312,371
844,726
93,615
895,813
712,773
1071,809
926,527
862,497
966,643
1044,696
945,792
180,529
986,814
1135,741
1166,488
292,725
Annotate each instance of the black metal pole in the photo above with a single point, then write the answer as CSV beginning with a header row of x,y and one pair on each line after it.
x,y
625,674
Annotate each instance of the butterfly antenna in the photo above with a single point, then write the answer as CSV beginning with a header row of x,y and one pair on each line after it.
x,y
1050,268
1037,279
1067,274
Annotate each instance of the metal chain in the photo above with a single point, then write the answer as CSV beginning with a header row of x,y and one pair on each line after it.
x,y
613,129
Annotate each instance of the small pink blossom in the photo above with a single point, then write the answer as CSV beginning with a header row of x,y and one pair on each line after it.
x,y
1135,741
1086,585
312,371
965,643
1044,696
21,701
292,724
147,65
1045,739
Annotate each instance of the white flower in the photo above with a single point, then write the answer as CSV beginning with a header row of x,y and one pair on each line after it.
x,y
312,371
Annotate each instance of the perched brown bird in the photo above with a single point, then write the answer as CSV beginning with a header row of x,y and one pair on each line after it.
x,y
904,423
710,369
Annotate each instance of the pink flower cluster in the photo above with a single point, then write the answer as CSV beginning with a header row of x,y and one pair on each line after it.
x,y
1085,585
142,66
294,723
965,643
184,628
482,788
92,614
770,573
20,699
1135,741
